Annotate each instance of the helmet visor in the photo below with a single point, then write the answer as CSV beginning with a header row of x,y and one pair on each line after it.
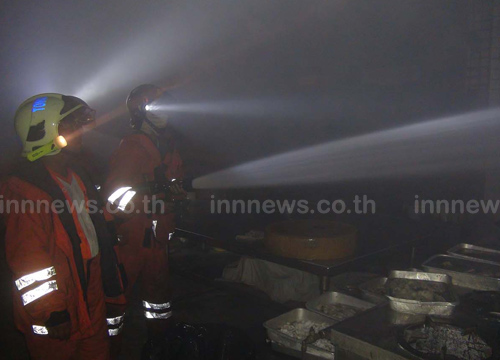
x,y
84,115
76,121
81,118
80,114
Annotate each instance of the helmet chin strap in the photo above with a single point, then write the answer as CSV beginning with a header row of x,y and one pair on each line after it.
x,y
151,130
71,152
155,128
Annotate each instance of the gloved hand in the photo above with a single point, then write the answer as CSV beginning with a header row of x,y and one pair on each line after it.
x,y
59,325
61,332
177,189
155,349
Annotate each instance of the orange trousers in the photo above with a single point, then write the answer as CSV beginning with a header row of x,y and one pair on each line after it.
x,y
151,266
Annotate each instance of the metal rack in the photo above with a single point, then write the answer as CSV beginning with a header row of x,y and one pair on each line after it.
x,y
380,237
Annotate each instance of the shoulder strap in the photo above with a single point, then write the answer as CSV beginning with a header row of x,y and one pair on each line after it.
x,y
109,262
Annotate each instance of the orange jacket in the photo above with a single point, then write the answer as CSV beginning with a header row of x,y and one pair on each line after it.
x,y
133,163
49,272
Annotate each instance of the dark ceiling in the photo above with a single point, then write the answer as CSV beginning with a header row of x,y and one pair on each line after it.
x,y
262,76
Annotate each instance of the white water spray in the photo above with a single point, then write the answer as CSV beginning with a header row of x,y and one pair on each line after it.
x,y
452,144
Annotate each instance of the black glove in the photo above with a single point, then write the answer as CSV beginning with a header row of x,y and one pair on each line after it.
x,y
59,325
155,349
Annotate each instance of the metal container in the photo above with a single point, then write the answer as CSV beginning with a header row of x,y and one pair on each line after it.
x,y
274,325
464,279
468,251
295,353
333,297
399,318
368,293
417,307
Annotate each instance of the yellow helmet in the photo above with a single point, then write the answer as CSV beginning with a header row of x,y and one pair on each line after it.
x,y
37,119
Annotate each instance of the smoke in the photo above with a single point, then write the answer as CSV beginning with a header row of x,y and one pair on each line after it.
x,y
457,143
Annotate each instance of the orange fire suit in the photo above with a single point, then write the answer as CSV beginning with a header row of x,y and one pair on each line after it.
x,y
144,236
44,251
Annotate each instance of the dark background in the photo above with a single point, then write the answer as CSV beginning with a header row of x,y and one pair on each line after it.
x,y
256,77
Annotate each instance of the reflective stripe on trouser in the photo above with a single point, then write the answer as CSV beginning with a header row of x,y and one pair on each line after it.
x,y
115,325
157,311
115,331
157,315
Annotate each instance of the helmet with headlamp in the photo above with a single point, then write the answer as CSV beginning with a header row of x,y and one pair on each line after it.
x,y
142,106
38,118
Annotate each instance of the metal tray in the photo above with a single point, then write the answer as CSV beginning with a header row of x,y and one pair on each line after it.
x,y
370,296
491,256
417,307
273,332
399,318
463,279
333,297
295,353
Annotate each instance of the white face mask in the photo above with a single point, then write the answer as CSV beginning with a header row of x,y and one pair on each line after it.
x,y
159,121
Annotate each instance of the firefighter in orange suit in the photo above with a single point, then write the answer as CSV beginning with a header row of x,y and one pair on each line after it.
x,y
61,257
147,156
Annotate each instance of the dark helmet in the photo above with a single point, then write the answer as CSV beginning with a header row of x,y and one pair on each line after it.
x,y
137,101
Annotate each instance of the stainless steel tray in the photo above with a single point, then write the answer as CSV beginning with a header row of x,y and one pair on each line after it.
x,y
369,295
417,307
333,297
399,318
274,325
295,353
464,279
477,253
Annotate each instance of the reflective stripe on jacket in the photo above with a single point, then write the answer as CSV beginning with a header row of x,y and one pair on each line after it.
x,y
44,254
131,164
